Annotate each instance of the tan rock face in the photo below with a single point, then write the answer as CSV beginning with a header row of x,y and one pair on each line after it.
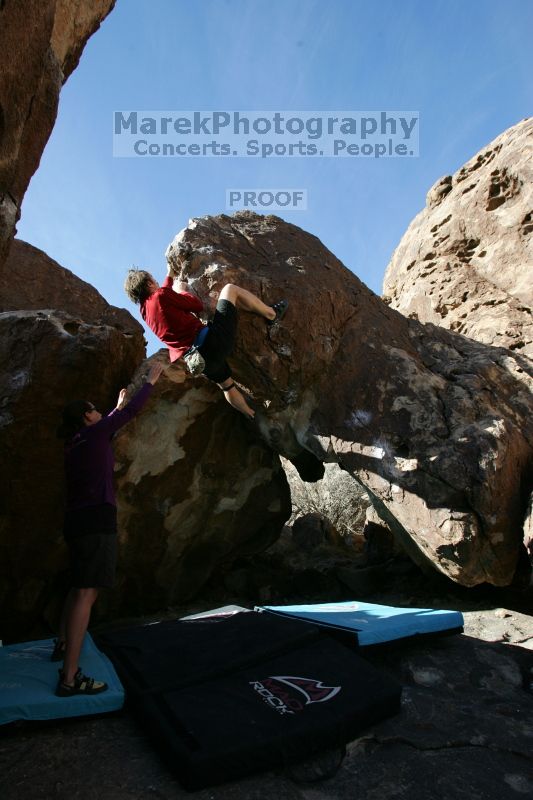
x,y
41,42
437,427
466,261
196,485
337,497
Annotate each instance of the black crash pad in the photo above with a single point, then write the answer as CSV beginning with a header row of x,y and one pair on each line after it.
x,y
227,696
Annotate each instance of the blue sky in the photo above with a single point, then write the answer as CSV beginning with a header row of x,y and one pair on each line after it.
x,y
465,66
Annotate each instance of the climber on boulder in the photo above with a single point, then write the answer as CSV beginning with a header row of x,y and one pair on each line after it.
x,y
170,312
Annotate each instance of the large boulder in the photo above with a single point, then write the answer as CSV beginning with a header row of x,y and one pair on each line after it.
x,y
466,260
196,487
31,280
59,340
53,357
41,42
196,484
437,428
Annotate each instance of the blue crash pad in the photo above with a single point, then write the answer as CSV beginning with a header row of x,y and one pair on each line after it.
x,y
28,680
374,624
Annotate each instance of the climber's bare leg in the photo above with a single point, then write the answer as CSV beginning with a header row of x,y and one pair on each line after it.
x,y
242,298
235,398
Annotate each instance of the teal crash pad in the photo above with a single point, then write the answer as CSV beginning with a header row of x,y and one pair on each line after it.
x,y
373,624
28,680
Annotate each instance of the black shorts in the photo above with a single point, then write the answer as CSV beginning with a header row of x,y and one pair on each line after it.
x,y
219,342
91,536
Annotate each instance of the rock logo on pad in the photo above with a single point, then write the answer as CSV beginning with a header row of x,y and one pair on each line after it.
x,y
288,694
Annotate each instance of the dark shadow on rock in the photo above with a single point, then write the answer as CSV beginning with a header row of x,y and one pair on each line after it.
x,y
309,467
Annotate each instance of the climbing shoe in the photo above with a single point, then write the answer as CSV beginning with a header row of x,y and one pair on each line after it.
x,y
82,685
280,309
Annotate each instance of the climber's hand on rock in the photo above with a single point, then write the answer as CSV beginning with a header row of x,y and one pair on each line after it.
x,y
121,398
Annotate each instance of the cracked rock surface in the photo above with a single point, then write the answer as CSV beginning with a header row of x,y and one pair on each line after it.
x,y
466,260
436,427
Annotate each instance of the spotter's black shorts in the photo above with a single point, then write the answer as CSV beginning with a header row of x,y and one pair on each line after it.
x,y
219,342
91,536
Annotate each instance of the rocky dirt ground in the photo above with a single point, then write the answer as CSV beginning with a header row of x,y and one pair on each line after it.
x,y
465,729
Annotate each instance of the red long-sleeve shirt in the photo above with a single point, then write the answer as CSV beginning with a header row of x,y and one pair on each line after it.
x,y
171,316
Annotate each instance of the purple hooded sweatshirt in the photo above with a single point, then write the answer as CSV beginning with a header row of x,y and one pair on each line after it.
x,y
89,458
